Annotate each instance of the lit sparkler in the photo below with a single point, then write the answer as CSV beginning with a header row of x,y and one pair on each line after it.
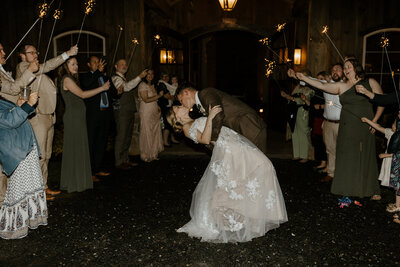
x,y
116,47
57,14
384,42
264,41
135,43
42,10
89,6
325,31
270,65
280,27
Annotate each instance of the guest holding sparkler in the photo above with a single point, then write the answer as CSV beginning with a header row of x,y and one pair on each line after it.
x,y
356,170
300,95
75,167
124,113
43,120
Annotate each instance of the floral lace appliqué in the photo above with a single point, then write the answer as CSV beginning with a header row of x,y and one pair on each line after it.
x,y
270,200
233,224
251,189
222,172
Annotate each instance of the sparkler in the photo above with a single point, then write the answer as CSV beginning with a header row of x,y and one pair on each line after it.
x,y
325,31
281,27
265,41
88,9
270,65
42,11
135,43
384,43
116,48
57,15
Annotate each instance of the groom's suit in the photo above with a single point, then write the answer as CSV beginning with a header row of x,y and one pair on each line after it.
x,y
235,115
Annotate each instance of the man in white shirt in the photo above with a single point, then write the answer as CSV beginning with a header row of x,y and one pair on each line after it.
x,y
44,119
124,113
330,127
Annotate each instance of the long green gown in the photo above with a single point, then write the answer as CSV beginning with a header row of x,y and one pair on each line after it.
x,y
75,167
356,171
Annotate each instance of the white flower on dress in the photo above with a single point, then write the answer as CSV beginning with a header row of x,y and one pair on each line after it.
x,y
235,196
251,189
270,200
233,224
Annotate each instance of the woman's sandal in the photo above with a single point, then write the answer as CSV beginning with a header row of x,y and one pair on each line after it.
x,y
392,208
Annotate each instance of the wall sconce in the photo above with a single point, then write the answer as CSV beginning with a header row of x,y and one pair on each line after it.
x,y
297,56
227,5
167,56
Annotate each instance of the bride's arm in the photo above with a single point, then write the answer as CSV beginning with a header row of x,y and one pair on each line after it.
x,y
205,136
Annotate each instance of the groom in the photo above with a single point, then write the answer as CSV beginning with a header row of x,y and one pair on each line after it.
x,y
235,114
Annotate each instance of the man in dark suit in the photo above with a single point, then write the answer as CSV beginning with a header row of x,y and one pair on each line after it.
x,y
98,114
235,114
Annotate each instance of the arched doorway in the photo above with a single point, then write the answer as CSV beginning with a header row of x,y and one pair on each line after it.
x,y
229,59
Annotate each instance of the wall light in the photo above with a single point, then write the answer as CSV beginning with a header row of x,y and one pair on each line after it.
x,y
297,56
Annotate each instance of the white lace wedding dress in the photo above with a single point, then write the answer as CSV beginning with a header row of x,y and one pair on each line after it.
x,y
239,197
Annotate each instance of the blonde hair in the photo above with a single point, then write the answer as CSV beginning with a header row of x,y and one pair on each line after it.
x,y
173,121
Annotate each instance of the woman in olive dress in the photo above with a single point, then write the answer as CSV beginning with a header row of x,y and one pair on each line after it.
x,y
76,172
356,172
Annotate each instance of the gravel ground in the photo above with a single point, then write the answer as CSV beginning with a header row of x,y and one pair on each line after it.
x,y
130,219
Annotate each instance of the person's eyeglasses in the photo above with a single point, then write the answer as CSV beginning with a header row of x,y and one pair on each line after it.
x,y
32,53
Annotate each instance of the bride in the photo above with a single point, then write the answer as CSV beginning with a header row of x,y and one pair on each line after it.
x,y
239,197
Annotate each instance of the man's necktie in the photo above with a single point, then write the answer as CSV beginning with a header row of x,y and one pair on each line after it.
x,y
104,99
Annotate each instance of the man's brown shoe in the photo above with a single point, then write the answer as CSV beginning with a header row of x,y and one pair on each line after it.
x,y
103,174
327,179
123,166
52,192
95,179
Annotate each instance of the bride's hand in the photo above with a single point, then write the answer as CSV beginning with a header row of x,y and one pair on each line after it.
x,y
213,111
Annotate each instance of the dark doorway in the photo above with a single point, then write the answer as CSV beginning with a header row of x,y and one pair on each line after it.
x,y
228,61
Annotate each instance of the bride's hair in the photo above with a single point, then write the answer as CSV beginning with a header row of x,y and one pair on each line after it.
x,y
173,121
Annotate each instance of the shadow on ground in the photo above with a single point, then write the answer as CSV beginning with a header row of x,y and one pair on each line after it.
x,y
130,219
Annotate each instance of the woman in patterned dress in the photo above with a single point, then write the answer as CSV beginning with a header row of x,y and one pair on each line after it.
x,y
24,205
239,197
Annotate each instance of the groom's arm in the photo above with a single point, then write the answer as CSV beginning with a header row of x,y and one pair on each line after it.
x,y
212,99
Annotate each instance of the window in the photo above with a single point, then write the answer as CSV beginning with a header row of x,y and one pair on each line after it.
x,y
90,43
375,60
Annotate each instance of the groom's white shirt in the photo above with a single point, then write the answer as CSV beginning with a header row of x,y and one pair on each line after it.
x,y
198,103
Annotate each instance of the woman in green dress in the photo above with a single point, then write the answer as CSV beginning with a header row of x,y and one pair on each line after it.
x,y
300,95
356,172
75,167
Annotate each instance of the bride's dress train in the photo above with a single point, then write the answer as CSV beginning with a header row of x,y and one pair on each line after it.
x,y
239,197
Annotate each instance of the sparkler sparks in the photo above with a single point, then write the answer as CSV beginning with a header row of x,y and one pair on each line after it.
x,y
384,42
135,41
270,65
120,28
43,8
325,29
57,14
89,6
264,41
280,27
